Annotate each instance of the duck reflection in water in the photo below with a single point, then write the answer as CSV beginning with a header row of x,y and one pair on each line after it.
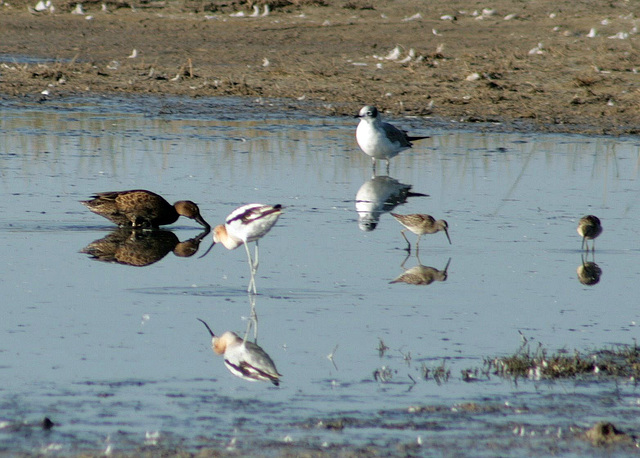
x,y
420,274
589,272
381,194
139,248
243,358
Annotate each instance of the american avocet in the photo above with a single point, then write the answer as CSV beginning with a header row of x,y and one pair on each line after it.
x,y
589,228
140,208
243,358
379,139
420,225
244,225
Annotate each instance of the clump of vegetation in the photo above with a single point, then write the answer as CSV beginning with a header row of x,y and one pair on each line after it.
x,y
439,373
618,361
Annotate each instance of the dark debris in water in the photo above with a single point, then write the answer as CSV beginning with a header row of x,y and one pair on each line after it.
x,y
605,433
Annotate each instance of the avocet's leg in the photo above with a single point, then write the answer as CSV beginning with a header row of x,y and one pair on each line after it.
x,y
252,283
255,265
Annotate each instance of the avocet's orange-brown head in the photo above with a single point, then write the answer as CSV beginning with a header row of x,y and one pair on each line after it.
x,y
220,235
221,343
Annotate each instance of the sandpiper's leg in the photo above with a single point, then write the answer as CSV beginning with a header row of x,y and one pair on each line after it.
x,y
388,162
405,260
418,244
583,242
373,165
407,240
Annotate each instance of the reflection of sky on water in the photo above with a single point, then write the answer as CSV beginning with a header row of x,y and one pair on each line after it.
x,y
512,201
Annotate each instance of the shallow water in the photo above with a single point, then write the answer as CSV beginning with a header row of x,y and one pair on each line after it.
x,y
113,353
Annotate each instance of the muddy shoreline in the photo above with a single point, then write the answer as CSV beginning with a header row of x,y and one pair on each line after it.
x,y
540,67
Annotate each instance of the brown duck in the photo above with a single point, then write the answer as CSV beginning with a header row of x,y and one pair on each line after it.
x,y
140,208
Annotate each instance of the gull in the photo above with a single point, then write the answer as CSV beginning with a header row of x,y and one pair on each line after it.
x,y
379,139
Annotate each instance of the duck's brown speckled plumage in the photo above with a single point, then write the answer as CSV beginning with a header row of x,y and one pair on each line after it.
x,y
140,208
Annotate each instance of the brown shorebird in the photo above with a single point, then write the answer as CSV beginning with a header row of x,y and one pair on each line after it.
x,y
140,208
421,224
379,139
244,358
589,228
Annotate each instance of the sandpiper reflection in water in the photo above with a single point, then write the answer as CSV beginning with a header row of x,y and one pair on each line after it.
x,y
589,228
140,208
421,274
135,247
588,272
421,224
381,194
243,358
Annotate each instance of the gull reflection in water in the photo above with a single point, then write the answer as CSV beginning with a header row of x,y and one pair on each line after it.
x,y
420,274
381,194
243,358
589,272
139,248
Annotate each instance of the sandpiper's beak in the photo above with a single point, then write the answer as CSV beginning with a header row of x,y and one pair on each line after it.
x,y
447,234
208,328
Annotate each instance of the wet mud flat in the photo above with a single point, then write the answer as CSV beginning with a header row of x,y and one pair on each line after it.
x,y
491,428
534,66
